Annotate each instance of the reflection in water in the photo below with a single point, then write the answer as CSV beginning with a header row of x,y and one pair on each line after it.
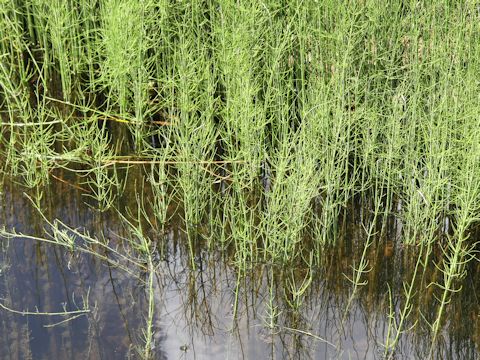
x,y
209,312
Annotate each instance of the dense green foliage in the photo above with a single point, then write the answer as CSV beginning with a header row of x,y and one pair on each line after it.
x,y
263,119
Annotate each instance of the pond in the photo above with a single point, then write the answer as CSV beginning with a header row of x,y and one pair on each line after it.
x,y
210,312
239,179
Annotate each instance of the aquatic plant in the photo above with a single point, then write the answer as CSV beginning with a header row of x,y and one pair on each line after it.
x,y
265,126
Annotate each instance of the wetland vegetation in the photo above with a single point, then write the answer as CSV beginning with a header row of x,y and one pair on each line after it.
x,y
240,179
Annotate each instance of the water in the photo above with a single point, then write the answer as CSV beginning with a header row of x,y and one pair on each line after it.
x,y
195,313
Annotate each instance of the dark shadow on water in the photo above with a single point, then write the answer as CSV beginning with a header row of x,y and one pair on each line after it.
x,y
195,309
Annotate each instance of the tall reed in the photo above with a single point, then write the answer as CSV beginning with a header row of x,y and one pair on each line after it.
x,y
263,122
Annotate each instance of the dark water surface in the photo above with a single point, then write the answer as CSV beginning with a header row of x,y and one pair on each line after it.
x,y
195,309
